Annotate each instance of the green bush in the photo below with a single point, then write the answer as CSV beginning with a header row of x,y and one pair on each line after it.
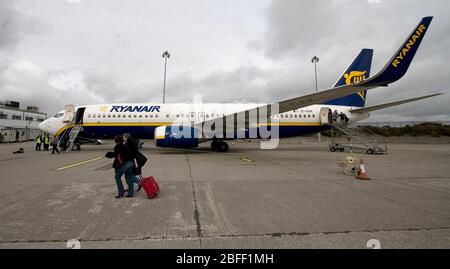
x,y
426,128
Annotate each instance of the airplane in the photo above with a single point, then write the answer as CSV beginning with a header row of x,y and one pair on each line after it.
x,y
311,113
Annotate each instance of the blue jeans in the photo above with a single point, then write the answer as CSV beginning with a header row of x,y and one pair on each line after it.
x,y
126,169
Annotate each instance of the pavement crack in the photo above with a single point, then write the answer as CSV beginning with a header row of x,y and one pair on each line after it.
x,y
196,212
279,234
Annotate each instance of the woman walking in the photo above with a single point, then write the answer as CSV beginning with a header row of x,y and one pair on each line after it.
x,y
123,165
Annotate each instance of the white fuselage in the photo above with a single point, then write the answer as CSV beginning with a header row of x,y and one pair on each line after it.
x,y
107,120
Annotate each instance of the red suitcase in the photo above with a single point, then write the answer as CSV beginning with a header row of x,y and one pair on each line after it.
x,y
150,187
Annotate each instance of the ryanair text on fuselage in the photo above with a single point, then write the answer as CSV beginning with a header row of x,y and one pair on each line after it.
x,y
135,109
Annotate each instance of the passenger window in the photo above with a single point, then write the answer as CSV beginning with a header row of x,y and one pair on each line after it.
x,y
156,116
109,116
140,116
151,115
309,115
167,115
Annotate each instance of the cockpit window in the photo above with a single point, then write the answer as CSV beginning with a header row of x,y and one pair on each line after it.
x,y
59,115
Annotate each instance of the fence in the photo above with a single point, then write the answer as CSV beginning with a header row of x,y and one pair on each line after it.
x,y
397,123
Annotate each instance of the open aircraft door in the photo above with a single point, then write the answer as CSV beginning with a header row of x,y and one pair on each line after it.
x,y
326,116
69,112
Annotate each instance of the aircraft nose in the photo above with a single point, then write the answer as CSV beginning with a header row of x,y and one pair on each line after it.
x,y
42,125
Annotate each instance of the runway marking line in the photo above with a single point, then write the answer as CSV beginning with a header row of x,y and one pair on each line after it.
x,y
78,164
245,159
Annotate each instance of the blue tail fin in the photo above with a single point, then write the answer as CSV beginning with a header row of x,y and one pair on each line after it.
x,y
356,72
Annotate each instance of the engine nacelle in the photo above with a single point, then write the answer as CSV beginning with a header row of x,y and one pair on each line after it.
x,y
326,116
176,136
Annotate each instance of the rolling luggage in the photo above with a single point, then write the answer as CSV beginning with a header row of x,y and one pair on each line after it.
x,y
150,186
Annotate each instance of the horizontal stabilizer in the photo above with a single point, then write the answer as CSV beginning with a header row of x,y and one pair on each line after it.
x,y
386,105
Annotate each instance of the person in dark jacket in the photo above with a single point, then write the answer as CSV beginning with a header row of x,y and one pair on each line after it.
x,y
123,165
134,151
55,144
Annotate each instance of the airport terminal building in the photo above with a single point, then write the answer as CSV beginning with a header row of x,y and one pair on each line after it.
x,y
19,124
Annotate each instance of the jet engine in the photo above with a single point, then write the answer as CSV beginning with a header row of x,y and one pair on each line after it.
x,y
176,136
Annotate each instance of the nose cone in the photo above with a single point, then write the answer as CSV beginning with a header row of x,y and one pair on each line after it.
x,y
42,126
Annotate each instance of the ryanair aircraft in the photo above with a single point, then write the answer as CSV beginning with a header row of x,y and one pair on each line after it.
x,y
187,125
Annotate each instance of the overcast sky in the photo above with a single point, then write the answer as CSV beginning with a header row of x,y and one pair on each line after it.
x,y
56,52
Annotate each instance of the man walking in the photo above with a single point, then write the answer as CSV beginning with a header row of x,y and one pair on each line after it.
x,y
55,144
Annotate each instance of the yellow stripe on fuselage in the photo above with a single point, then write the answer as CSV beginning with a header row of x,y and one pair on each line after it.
x,y
291,124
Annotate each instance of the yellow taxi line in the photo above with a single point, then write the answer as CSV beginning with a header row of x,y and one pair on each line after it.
x,y
246,159
78,164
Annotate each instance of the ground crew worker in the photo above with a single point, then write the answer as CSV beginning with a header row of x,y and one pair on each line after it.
x,y
46,142
38,140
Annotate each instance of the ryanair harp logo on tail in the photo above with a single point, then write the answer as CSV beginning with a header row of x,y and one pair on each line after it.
x,y
355,77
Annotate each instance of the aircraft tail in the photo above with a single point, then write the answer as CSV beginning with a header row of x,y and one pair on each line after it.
x,y
358,71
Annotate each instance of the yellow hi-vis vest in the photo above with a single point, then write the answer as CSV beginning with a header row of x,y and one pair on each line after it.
x,y
46,140
38,139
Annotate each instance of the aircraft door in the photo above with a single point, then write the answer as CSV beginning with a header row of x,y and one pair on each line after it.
x,y
69,112
79,115
201,116
192,117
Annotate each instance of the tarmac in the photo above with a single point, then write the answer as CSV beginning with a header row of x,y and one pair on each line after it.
x,y
295,196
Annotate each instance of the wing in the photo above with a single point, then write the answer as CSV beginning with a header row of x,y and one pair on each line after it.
x,y
393,71
386,105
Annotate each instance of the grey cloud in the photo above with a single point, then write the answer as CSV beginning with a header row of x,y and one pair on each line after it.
x,y
14,25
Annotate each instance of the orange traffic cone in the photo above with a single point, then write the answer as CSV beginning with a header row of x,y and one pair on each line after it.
x,y
362,172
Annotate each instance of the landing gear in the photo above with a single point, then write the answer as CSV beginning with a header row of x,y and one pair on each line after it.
x,y
76,146
214,144
220,146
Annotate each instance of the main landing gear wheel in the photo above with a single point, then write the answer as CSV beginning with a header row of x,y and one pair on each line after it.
x,y
220,146
214,145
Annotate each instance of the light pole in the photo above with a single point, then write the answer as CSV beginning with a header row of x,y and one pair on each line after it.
x,y
315,60
166,55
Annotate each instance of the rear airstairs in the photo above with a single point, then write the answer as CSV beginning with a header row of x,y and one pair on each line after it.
x,y
356,139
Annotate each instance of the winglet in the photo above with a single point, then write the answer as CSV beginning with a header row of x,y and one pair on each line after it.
x,y
401,60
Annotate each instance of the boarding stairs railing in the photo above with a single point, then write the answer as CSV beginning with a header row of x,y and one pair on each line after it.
x,y
74,131
356,139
